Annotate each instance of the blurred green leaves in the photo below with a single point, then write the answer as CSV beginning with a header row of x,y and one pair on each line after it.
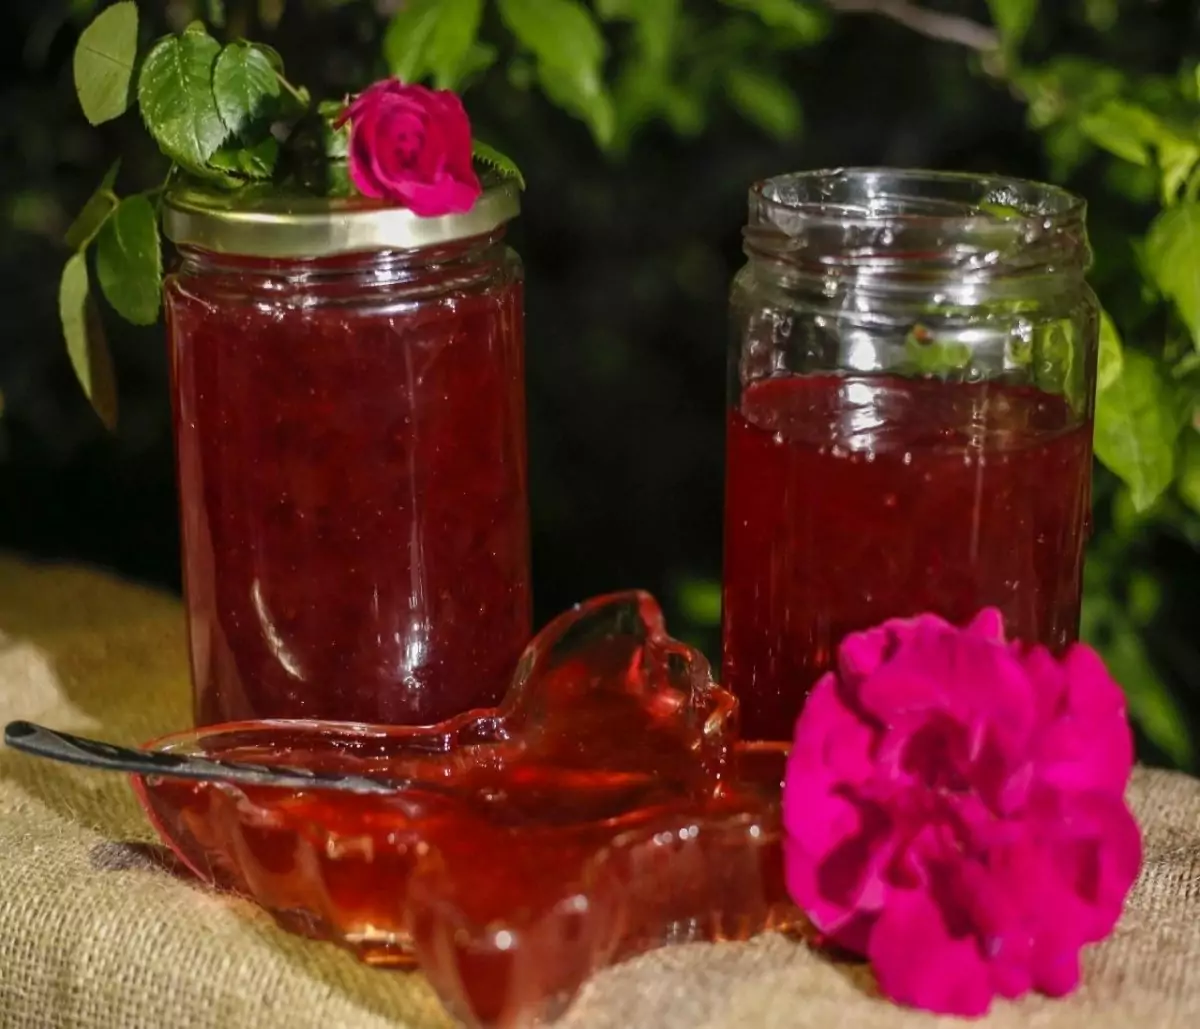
x,y
1013,19
765,100
806,21
569,51
1118,604
437,39
1136,428
1172,260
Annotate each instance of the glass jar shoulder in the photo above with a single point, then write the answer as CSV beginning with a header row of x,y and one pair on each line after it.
x,y
366,282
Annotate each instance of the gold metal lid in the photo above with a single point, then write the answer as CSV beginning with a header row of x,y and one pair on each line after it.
x,y
279,224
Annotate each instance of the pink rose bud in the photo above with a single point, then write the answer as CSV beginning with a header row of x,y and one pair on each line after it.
x,y
954,811
412,145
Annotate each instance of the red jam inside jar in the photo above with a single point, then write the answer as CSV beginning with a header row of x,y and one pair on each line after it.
x,y
851,500
350,439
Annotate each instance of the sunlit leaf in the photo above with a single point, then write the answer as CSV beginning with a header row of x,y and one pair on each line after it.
x,y
435,38
245,87
569,49
1136,428
104,61
1172,258
175,90
1124,129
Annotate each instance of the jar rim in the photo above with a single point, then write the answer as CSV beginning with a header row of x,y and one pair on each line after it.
x,y
876,197
275,223
902,229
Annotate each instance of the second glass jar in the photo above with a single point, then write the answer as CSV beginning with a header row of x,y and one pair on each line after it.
x,y
350,437
912,379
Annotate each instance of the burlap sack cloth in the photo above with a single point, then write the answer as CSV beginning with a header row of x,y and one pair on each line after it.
x,y
96,934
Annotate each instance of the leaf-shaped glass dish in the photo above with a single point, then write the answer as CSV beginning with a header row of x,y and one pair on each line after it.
x,y
604,809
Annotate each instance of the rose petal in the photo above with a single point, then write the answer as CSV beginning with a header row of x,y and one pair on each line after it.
x,y
988,624
833,864
946,670
1087,743
442,197
918,963
412,145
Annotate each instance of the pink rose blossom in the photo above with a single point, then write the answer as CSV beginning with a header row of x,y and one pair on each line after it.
x,y
412,145
954,811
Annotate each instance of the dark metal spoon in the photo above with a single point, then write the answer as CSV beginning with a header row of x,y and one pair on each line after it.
x,y
106,757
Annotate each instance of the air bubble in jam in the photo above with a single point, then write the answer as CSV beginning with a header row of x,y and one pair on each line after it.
x,y
607,808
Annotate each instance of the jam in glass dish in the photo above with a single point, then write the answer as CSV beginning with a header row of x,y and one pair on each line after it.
x,y
605,808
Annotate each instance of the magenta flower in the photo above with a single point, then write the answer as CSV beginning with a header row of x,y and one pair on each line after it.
x,y
412,145
954,808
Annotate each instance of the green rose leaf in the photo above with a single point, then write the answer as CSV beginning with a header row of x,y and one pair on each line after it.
x,y
1136,428
129,260
434,37
1013,19
245,87
255,162
95,212
1172,258
765,100
104,60
1125,129
175,90
569,48
490,157
86,345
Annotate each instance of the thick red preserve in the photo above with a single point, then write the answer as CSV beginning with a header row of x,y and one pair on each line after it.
x,y
912,381
851,500
350,436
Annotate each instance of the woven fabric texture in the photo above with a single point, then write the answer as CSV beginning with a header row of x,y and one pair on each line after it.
x,y
96,933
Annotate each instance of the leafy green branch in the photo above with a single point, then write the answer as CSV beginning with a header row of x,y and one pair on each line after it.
x,y
224,115
210,109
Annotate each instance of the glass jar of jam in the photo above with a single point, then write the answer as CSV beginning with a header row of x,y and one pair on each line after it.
x,y
348,388
912,383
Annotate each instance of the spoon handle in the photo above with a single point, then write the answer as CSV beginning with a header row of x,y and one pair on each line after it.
x,y
39,741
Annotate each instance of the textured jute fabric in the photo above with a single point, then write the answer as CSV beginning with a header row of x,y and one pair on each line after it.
x,y
95,933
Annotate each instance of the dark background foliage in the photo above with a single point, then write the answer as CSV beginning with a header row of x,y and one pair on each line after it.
x,y
630,236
